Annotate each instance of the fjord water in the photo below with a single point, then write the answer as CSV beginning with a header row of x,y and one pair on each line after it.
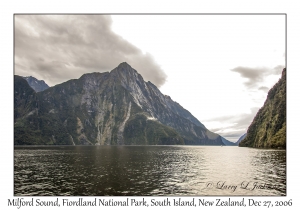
x,y
148,170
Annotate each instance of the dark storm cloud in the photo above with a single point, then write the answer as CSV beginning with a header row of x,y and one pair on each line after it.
x,y
62,47
256,75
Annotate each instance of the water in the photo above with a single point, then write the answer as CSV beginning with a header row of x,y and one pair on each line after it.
x,y
148,170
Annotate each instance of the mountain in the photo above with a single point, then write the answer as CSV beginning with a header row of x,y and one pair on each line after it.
x,y
228,143
37,85
25,111
268,129
241,138
111,108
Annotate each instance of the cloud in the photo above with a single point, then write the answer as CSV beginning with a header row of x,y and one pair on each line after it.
x,y
57,48
264,88
278,69
256,76
233,125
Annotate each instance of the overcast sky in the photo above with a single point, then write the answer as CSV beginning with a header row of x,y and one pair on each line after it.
x,y
219,67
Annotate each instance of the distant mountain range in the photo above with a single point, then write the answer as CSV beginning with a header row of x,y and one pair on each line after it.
x,y
35,84
268,129
228,143
241,138
111,108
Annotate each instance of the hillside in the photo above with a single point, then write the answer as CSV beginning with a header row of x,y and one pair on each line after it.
x,y
268,129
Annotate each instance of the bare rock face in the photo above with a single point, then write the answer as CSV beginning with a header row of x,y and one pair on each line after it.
x,y
111,108
268,129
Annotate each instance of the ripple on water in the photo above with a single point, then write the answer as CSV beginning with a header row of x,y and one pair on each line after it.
x,y
142,170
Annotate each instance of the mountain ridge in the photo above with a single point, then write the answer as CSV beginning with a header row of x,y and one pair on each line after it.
x,y
35,84
114,108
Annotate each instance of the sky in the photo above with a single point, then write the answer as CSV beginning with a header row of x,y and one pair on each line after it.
x,y
218,67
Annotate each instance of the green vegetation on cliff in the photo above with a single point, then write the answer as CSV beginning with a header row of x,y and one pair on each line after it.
x,y
268,129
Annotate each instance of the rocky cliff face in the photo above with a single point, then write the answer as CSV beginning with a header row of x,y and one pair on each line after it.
x,y
116,108
35,84
268,129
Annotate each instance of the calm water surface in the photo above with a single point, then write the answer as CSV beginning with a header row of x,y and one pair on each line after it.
x,y
148,170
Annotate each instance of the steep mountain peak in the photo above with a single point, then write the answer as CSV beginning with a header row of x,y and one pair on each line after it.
x,y
37,85
124,65
124,69
116,107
